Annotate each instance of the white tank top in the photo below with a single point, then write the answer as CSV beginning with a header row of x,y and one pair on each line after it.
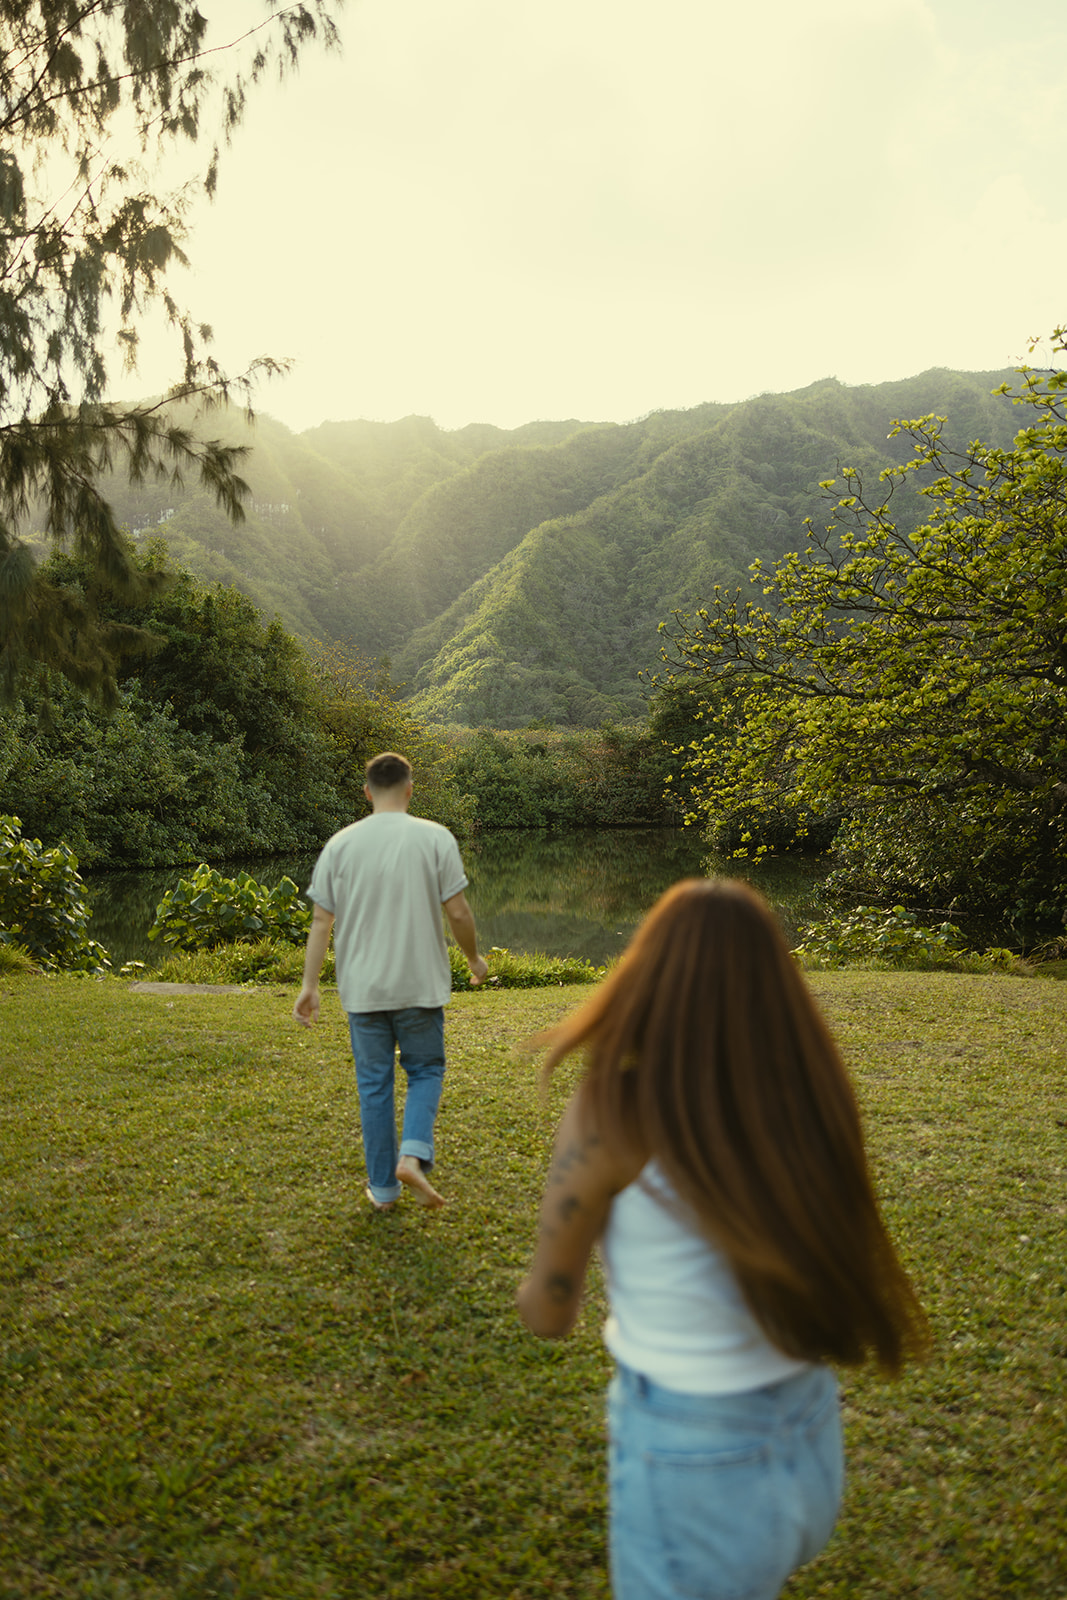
x,y
677,1313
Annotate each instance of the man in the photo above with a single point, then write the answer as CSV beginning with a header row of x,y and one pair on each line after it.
x,y
379,885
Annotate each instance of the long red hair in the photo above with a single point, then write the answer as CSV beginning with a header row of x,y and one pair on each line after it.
x,y
706,1051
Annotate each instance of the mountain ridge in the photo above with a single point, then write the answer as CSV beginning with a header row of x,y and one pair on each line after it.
x,y
518,575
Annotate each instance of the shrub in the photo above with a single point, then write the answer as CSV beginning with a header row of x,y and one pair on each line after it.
x,y
15,958
892,938
208,910
264,961
43,908
531,971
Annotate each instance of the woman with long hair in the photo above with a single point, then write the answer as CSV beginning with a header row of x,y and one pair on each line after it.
x,y
714,1148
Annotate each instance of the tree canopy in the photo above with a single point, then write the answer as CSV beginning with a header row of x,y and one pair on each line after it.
x,y
910,687
228,738
95,97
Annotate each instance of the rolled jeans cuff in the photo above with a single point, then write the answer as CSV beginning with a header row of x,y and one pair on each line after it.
x,y
420,1149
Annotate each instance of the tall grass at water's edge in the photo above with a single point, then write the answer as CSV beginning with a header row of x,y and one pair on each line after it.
x,y
223,1375
276,961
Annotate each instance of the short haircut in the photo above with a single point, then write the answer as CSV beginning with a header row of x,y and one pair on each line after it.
x,y
387,770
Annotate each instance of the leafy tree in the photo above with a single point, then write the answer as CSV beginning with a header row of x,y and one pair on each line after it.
x,y
227,681
228,738
133,788
110,88
358,710
911,687
607,778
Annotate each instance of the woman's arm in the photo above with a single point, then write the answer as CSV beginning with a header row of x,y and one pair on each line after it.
x,y
583,1179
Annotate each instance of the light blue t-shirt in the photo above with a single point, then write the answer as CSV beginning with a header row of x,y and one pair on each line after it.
x,y
385,879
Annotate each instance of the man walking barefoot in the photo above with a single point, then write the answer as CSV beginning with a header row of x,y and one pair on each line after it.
x,y
379,885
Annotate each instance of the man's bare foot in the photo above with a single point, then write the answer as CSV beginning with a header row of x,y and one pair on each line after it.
x,y
379,1205
409,1171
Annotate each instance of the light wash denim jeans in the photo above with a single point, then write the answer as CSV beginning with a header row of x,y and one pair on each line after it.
x,y
419,1033
720,1497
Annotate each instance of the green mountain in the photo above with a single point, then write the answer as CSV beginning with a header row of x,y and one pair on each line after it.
x,y
512,575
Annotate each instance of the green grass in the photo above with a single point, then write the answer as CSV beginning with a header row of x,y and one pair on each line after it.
x,y
223,1375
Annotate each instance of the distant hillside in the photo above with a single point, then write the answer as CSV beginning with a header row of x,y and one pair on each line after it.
x,y
323,506
511,575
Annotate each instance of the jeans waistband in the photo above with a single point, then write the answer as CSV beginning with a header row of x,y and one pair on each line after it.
x,y
797,1393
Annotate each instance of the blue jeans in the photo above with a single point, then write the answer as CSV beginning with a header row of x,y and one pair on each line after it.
x,y
419,1032
720,1496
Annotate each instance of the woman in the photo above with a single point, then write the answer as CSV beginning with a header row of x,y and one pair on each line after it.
x,y
714,1148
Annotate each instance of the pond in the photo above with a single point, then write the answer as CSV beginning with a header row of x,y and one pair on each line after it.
x,y
578,894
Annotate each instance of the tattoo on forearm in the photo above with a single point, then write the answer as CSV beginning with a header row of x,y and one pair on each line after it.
x,y
571,1157
564,1211
559,1288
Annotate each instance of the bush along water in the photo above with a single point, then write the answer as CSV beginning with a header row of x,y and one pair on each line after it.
x,y
530,971
540,778
43,908
894,937
260,961
208,910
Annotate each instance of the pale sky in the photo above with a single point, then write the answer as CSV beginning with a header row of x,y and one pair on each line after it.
x,y
488,211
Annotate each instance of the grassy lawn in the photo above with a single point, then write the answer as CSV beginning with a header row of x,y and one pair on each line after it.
x,y
223,1375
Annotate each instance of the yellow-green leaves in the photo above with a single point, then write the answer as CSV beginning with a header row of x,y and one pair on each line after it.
x,y
913,686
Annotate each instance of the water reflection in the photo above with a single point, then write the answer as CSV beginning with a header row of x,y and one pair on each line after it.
x,y
584,893
124,903
576,894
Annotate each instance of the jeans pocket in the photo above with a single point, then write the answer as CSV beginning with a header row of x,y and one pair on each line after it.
x,y
721,1524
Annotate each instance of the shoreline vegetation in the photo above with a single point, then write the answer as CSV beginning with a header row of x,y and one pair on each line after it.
x,y
208,928
181,1183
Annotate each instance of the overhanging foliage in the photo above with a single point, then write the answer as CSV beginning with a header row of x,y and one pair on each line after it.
x,y
94,95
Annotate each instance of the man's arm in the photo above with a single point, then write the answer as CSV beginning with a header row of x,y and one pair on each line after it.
x,y
582,1182
306,1009
461,921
